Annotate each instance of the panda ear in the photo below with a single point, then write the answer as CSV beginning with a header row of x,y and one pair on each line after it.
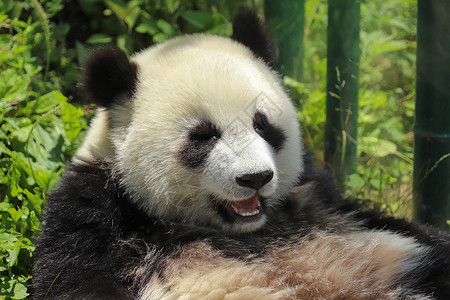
x,y
109,74
250,31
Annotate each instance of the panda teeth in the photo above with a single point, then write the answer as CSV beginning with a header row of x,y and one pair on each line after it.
x,y
249,214
247,208
245,213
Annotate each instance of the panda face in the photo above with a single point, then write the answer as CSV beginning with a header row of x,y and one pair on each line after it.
x,y
209,136
237,169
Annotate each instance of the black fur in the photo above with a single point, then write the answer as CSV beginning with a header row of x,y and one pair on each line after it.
x,y
272,134
199,143
248,30
94,236
109,74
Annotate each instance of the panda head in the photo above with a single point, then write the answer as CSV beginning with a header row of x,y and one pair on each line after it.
x,y
198,129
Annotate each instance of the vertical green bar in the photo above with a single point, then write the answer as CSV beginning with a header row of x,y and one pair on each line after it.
x,y
286,20
342,86
432,124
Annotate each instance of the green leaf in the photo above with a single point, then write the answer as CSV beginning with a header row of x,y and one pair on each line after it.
x,y
71,116
34,199
23,133
13,254
47,102
166,28
99,38
19,24
133,15
376,184
82,52
147,25
198,19
19,290
172,5
120,11
13,85
7,239
355,181
15,214
122,42
160,37
4,206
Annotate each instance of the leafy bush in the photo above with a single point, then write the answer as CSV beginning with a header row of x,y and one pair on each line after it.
x,y
386,99
134,25
39,133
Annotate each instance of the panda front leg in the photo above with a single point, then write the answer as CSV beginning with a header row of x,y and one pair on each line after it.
x,y
82,285
81,252
64,275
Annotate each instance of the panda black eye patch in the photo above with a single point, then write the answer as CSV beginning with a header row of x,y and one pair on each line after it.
x,y
201,139
269,132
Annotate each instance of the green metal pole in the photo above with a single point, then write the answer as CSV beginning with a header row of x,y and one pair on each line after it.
x,y
286,20
342,86
432,124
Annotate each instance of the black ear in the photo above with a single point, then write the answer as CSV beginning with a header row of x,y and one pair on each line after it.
x,y
250,31
109,74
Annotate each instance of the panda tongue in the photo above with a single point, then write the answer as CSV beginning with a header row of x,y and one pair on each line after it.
x,y
247,207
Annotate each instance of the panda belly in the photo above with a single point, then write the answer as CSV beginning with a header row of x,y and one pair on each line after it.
x,y
359,265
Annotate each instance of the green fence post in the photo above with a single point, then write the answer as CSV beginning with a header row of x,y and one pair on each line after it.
x,y
286,21
342,86
432,124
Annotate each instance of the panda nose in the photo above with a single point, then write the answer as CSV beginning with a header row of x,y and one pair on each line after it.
x,y
255,181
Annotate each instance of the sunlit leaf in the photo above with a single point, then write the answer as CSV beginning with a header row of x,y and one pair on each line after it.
x,y
13,254
376,147
120,11
165,28
47,102
71,116
15,214
13,85
19,290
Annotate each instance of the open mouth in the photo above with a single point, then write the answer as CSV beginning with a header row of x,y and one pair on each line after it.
x,y
247,210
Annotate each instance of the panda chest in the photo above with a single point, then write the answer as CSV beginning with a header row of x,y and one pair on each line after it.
x,y
322,266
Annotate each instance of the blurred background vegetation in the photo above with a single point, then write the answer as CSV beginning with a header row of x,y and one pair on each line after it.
x,y
44,117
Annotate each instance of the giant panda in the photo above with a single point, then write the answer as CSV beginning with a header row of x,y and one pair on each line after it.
x,y
192,183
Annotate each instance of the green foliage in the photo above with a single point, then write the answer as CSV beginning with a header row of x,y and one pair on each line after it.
x,y
386,99
40,131
134,25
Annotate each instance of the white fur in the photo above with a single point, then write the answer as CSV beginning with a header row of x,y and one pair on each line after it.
x,y
363,265
180,82
97,145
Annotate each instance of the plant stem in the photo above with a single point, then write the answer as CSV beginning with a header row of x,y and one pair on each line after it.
x,y
44,22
